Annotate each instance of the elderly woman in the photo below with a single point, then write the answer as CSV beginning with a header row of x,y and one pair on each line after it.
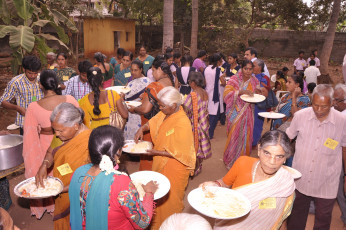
x,y
173,157
258,70
117,204
240,114
262,180
67,123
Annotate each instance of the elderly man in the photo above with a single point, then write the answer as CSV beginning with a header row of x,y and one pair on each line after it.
x,y
251,55
320,146
51,63
340,105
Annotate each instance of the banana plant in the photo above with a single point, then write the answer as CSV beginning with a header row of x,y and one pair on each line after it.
x,y
26,36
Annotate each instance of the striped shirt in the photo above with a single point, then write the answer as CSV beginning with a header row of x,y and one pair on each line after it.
x,y
24,92
320,166
76,88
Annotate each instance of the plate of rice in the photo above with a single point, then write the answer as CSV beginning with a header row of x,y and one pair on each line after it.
x,y
28,189
219,203
120,89
137,148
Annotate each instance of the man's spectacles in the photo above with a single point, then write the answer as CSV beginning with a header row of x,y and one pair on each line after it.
x,y
339,100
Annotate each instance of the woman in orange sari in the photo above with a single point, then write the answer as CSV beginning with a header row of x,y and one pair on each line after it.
x,y
239,114
67,123
173,157
149,108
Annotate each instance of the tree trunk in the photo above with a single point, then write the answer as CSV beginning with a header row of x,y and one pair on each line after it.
x,y
194,29
329,38
168,29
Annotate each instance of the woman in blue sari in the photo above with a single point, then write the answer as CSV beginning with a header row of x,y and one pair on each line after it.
x,y
145,58
258,70
122,71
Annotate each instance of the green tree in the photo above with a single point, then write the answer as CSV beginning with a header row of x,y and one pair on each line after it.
x,y
23,20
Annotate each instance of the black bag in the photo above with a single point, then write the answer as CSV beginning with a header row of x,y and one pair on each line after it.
x,y
270,102
155,109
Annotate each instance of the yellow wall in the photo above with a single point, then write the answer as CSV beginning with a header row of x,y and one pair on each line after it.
x,y
99,35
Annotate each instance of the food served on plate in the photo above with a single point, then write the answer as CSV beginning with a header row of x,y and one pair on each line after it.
x,y
140,147
224,205
120,89
52,187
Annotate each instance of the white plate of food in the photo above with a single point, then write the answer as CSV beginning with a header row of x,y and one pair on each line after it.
x,y
13,127
28,189
219,203
120,89
143,177
295,173
256,98
272,115
131,146
133,103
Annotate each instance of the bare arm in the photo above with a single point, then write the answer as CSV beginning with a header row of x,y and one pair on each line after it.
x,y
121,108
17,108
144,108
46,164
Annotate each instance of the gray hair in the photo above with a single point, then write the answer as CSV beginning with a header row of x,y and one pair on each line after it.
x,y
67,114
342,87
276,137
185,221
51,54
260,63
324,90
170,95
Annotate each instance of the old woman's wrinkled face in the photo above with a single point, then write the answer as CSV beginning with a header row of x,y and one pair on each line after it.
x,y
271,157
166,109
64,133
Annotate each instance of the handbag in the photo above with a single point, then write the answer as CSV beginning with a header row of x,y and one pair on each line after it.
x,y
270,101
115,119
155,109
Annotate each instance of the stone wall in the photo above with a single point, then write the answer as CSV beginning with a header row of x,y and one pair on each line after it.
x,y
269,43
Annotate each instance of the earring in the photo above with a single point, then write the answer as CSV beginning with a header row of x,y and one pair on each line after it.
x,y
118,161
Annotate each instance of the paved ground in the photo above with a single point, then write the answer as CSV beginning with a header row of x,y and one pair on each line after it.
x,y
213,168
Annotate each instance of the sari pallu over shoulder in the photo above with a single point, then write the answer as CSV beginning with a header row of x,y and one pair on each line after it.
x,y
75,153
281,187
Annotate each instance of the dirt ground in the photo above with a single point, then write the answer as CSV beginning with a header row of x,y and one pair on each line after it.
x,y
213,168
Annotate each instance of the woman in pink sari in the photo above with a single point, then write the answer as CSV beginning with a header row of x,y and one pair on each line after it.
x,y
38,133
239,114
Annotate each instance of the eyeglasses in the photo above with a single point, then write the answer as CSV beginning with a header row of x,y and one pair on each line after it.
x,y
339,100
268,156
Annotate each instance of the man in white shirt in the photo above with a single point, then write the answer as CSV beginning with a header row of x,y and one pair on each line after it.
x,y
251,54
300,63
340,105
311,73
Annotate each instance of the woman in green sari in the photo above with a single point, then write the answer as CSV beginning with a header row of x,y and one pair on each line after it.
x,y
122,71
63,72
145,58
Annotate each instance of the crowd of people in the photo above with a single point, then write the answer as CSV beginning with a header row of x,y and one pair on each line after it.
x,y
69,132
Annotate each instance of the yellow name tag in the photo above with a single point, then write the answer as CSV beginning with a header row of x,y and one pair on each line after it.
x,y
65,78
127,75
222,69
64,169
234,71
330,143
146,62
169,132
269,203
51,67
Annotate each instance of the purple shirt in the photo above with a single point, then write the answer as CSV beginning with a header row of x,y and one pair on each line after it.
x,y
198,63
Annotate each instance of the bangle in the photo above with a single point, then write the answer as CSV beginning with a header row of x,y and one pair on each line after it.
x,y
47,162
217,182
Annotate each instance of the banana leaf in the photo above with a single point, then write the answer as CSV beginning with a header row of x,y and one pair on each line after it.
x,y
4,13
4,30
51,37
62,18
23,37
24,9
61,33
40,23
